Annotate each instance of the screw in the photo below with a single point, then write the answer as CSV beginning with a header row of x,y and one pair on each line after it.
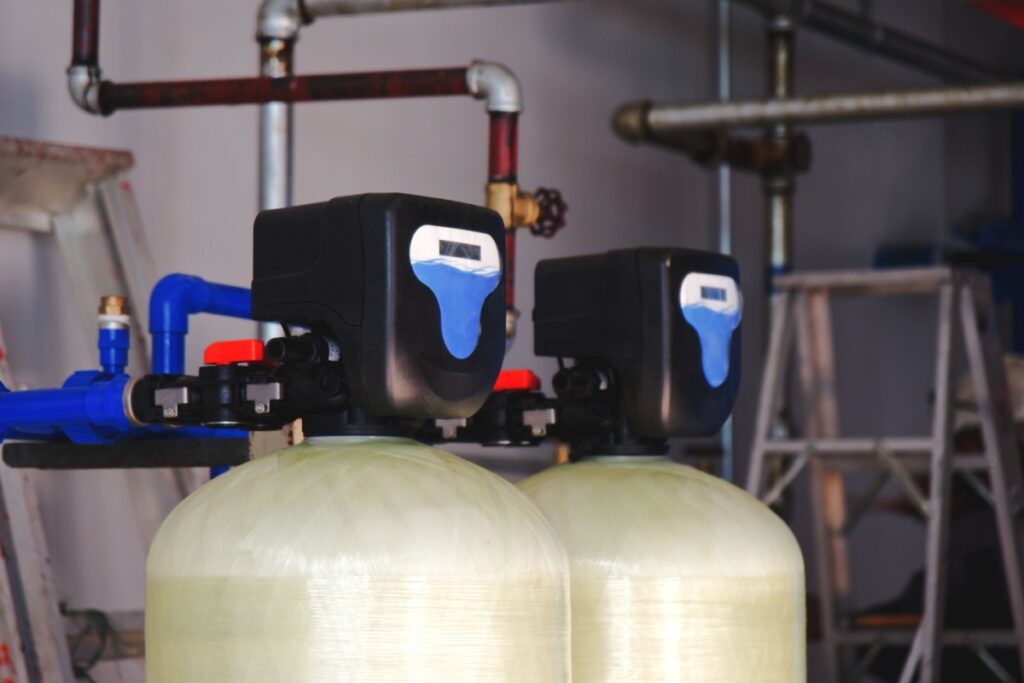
x,y
261,408
170,412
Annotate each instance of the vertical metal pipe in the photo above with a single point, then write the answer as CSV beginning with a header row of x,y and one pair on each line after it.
x,y
779,187
275,187
1017,169
723,187
502,167
724,87
85,39
503,147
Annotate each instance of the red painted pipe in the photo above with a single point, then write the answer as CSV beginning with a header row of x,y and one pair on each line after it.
x,y
1010,11
503,148
510,268
85,33
502,162
259,90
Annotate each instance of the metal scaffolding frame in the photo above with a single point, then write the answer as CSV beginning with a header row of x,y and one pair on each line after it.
x,y
802,304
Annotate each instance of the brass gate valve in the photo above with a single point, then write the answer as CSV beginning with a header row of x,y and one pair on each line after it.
x,y
542,212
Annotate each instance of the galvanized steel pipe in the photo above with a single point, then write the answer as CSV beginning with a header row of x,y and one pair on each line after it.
x,y
634,119
863,32
324,8
276,138
779,187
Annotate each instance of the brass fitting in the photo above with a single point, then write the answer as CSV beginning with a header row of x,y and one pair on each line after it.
x,y
518,209
511,317
113,305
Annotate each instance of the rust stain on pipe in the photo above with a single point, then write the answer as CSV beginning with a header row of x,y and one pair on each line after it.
x,y
503,147
372,85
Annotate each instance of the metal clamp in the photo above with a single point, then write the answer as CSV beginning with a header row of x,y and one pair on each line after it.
x,y
539,420
169,398
262,395
449,428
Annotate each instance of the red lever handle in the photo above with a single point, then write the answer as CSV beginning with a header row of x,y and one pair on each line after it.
x,y
233,351
517,380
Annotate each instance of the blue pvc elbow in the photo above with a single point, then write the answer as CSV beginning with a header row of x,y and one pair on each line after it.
x,y
174,299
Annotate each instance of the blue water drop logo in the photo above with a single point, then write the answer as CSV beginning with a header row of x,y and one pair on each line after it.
x,y
462,268
714,329
711,305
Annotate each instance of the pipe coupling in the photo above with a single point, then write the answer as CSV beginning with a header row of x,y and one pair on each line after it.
x,y
511,326
630,121
84,87
496,84
279,19
517,208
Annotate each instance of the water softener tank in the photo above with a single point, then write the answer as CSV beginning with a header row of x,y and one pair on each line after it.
x,y
357,559
676,575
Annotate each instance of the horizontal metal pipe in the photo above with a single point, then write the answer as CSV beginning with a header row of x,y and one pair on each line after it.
x,y
642,121
258,90
324,8
863,32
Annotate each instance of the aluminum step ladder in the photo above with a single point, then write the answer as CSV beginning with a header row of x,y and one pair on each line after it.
x,y
82,198
801,310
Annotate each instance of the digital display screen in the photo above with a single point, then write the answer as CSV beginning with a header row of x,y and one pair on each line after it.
x,y
459,250
713,293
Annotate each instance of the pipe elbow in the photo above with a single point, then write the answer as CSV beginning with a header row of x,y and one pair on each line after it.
x,y
279,19
630,121
174,298
84,87
497,85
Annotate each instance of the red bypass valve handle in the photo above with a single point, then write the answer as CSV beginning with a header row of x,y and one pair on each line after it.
x,y
233,351
517,380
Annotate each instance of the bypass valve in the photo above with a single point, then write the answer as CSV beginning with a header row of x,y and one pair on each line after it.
x,y
552,210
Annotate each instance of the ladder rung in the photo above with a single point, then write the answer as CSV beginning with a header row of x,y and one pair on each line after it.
x,y
859,454
878,282
849,447
904,636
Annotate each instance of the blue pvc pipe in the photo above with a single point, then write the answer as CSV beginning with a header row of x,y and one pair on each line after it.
x,y
89,408
113,345
174,299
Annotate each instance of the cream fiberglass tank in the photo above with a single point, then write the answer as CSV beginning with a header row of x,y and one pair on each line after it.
x,y
357,559
676,575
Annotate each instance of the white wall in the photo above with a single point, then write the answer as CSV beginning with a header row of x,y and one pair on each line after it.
x,y
196,181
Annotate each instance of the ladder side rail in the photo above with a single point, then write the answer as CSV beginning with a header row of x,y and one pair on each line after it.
x,y
13,598
938,507
984,355
826,425
822,557
42,601
772,386
135,262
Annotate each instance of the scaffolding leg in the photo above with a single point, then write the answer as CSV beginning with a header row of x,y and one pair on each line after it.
x,y
52,660
996,413
938,508
815,351
771,390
